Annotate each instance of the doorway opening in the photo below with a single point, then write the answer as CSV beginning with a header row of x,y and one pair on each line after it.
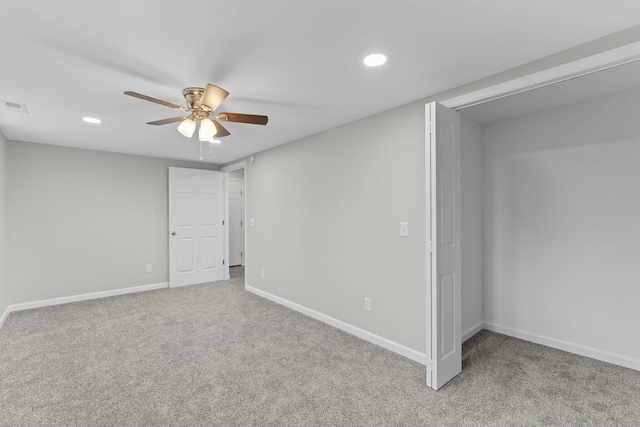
x,y
235,183
528,200
549,171
235,200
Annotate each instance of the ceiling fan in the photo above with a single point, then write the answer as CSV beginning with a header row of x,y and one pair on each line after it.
x,y
201,104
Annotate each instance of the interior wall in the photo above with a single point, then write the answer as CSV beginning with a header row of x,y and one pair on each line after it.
x,y
85,221
4,155
471,224
561,212
327,211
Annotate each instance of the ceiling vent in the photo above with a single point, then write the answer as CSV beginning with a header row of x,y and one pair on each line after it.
x,y
15,107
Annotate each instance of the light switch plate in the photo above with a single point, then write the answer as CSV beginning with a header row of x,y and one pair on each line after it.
x,y
404,229
252,222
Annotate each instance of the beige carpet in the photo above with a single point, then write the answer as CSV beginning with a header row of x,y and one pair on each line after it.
x,y
216,355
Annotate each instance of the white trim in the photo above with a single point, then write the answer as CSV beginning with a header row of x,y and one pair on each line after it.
x,y
466,335
353,330
582,67
84,297
579,349
4,316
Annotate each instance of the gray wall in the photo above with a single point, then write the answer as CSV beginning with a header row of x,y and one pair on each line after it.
x,y
471,223
85,221
561,212
327,212
4,291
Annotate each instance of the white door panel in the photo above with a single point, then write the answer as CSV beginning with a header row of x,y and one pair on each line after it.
x,y
444,340
196,200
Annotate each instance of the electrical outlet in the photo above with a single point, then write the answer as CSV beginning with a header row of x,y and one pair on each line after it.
x,y
262,272
149,268
367,304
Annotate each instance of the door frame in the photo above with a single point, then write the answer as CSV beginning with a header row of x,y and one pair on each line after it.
x,y
227,169
602,61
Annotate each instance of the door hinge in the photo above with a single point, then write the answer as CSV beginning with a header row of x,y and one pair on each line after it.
x,y
240,254
223,222
240,223
432,246
222,262
241,192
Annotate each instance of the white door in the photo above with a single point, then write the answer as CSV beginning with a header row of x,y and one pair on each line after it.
x,y
196,231
236,225
444,340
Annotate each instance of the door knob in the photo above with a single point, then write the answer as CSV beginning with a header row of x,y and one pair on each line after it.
x,y
173,233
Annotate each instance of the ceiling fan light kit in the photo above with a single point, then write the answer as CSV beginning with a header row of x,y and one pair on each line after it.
x,y
207,129
187,127
201,104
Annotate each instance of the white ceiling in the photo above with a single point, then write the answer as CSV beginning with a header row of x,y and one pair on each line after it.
x,y
612,81
299,62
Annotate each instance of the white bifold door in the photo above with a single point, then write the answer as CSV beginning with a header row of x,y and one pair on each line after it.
x,y
196,229
444,340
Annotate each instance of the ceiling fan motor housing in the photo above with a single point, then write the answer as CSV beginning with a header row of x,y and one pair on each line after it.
x,y
192,96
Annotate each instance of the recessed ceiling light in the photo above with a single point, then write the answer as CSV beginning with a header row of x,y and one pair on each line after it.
x,y
375,60
92,120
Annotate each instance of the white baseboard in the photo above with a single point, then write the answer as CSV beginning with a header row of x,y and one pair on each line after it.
x,y
83,297
472,331
353,330
582,350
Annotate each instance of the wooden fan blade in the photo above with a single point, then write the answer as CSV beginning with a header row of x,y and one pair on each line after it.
x,y
220,130
243,118
167,121
213,96
157,101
